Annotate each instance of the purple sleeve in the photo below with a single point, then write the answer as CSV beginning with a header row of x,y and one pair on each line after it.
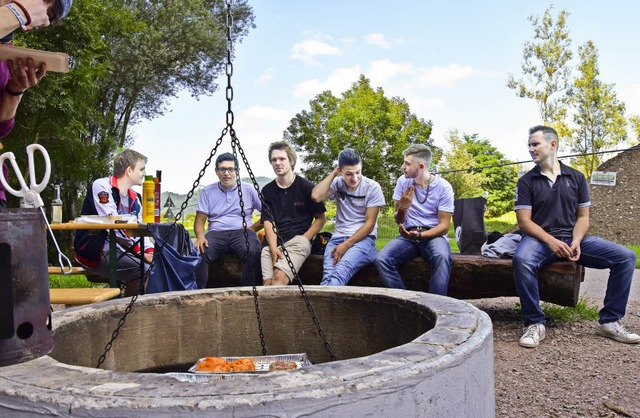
x,y
6,127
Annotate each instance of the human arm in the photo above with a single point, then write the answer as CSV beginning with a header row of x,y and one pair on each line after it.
x,y
444,221
403,205
529,227
198,229
318,222
22,76
37,10
370,217
322,191
579,231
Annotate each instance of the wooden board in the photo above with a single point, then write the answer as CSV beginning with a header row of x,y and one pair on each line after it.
x,y
56,61
82,296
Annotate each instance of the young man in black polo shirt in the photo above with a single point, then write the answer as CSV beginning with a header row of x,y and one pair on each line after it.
x,y
552,208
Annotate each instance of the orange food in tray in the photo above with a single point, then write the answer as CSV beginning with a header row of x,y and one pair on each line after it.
x,y
220,365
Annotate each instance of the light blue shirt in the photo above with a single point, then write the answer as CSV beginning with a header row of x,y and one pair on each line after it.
x,y
222,206
440,198
351,206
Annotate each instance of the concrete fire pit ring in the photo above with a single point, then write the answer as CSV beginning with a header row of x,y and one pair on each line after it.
x,y
446,370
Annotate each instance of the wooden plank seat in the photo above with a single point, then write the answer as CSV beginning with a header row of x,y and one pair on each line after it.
x,y
82,296
472,277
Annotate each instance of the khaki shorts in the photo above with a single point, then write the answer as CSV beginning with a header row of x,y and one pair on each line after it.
x,y
298,248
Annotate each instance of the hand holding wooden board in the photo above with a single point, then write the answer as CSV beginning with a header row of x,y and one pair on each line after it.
x,y
56,61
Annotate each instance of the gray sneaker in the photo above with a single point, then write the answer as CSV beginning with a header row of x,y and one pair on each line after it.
x,y
617,331
532,336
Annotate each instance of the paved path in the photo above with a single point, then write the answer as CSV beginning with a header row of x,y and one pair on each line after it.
x,y
595,285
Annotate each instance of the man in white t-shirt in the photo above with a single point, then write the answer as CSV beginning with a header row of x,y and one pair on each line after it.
x,y
358,201
423,209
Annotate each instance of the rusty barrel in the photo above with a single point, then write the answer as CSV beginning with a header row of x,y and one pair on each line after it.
x,y
25,313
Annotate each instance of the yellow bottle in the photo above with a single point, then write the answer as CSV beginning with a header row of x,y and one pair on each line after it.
x,y
148,199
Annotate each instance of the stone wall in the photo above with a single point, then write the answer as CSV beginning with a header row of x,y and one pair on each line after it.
x,y
615,211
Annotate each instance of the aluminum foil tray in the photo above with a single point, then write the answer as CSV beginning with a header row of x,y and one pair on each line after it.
x,y
261,362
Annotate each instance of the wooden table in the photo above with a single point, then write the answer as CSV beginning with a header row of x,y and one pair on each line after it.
x,y
134,229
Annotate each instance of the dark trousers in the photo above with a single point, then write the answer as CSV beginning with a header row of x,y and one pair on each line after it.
x,y
233,241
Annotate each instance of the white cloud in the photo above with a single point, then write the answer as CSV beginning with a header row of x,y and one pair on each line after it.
x,y
311,48
338,81
444,76
264,113
377,39
383,70
266,76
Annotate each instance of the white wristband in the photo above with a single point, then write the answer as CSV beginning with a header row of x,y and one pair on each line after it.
x,y
18,15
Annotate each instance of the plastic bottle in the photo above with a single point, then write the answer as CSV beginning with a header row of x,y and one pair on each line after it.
x,y
157,179
56,207
148,200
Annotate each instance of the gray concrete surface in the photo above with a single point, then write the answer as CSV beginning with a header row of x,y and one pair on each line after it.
x,y
595,285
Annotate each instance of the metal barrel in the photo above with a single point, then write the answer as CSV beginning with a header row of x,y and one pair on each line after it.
x,y
25,312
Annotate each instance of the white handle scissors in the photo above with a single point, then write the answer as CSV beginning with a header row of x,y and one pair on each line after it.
x,y
30,194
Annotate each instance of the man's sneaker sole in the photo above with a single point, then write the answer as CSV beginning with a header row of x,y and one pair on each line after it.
x,y
533,345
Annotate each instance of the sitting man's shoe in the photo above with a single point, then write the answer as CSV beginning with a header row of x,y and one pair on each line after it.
x,y
617,331
532,336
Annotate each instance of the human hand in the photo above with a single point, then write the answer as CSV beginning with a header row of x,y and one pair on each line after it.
x,y
338,251
414,235
201,244
37,11
24,75
276,255
561,248
575,250
406,199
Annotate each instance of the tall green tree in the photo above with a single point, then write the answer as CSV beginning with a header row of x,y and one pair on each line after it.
x,y
546,68
458,168
500,176
364,119
634,121
599,115
128,58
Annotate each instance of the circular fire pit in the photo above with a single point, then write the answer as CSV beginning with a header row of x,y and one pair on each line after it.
x,y
399,353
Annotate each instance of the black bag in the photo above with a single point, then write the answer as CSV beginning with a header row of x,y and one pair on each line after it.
x,y
468,221
319,242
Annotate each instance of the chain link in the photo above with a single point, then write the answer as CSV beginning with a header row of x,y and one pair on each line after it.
x,y
235,145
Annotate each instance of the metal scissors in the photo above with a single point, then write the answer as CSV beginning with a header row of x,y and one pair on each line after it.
x,y
30,195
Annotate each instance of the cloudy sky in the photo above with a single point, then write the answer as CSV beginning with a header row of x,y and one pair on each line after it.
x,y
449,60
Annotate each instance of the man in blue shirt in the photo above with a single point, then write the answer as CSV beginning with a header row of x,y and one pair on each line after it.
x,y
423,209
219,204
552,208
358,201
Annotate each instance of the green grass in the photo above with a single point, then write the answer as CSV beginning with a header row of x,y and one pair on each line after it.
x,y
636,249
555,313
61,281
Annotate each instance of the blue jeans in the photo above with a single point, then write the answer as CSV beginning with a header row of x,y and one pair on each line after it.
x,y
400,250
533,255
359,255
232,241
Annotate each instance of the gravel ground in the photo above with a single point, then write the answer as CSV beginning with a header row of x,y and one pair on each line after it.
x,y
574,372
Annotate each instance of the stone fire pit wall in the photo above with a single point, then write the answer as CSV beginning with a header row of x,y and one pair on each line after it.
x,y
400,353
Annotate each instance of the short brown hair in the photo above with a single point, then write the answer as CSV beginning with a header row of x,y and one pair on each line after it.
x,y
125,159
286,147
420,152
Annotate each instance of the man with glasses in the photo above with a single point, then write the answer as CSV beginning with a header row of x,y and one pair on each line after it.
x,y
358,201
423,209
219,204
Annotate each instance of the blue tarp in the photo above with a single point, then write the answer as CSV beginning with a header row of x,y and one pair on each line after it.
x,y
175,259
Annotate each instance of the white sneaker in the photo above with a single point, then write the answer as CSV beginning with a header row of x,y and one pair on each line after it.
x,y
532,336
617,331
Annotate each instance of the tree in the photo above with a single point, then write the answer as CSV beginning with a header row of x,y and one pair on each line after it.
x,y
467,183
363,119
128,58
599,115
546,68
500,178
634,121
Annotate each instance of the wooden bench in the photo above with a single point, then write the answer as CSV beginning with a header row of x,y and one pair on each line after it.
x,y
80,296
472,277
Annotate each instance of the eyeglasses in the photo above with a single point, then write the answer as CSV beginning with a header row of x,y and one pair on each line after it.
x,y
225,170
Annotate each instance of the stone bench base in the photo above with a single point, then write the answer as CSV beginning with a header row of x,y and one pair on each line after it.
x,y
472,277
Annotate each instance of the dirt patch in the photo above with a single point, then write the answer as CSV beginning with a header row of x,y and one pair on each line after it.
x,y
573,373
